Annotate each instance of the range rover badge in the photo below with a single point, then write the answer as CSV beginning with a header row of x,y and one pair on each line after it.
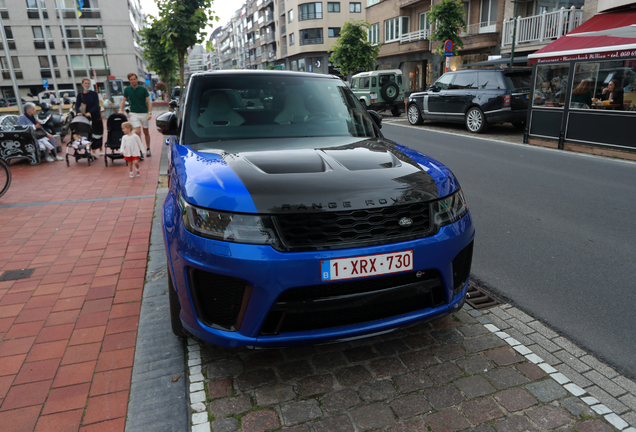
x,y
405,222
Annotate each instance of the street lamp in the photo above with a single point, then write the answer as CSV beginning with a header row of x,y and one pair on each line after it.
x,y
99,32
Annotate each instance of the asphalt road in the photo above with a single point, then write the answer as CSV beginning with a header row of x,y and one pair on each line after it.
x,y
556,234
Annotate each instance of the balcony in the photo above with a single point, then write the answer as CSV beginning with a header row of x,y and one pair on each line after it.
x,y
283,30
284,51
69,13
542,28
414,36
309,16
409,3
479,28
88,43
311,41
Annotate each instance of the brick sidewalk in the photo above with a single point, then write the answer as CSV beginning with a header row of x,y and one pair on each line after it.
x,y
68,331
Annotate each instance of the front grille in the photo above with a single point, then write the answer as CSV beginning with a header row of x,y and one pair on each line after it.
x,y
353,302
365,227
461,267
218,299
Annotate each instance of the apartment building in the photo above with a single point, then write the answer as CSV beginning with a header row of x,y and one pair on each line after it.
x,y
110,32
307,30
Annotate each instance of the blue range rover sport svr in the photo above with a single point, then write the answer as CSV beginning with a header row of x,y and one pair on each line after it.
x,y
291,219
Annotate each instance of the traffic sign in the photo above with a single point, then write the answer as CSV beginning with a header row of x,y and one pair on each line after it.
x,y
448,53
45,83
448,45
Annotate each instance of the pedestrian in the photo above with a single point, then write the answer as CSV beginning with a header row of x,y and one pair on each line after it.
x,y
131,147
52,100
159,95
140,107
153,96
46,142
87,105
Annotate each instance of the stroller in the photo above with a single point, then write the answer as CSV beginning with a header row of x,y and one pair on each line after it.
x,y
115,134
80,125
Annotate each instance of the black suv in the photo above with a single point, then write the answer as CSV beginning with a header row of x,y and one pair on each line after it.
x,y
476,97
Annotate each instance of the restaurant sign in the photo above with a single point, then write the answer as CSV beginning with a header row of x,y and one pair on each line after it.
x,y
588,56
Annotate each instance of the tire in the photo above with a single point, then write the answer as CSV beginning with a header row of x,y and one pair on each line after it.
x,y
5,175
475,120
68,163
395,111
414,115
519,124
390,91
175,308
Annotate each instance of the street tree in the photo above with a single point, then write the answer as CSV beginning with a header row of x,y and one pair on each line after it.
x,y
160,58
353,50
182,24
448,17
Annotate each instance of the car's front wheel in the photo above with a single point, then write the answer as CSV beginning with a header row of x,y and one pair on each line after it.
x,y
414,115
475,120
175,308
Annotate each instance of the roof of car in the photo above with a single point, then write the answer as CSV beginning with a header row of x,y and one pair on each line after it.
x,y
378,72
262,72
516,69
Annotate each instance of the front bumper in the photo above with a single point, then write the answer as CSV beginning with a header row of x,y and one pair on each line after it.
x,y
267,274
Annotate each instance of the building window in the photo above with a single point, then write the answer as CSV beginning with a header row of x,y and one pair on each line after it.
x,y
5,67
374,33
372,2
45,68
10,40
38,39
355,7
333,7
292,40
311,36
334,31
96,62
294,65
309,11
290,16
394,28
301,65
424,22
551,82
89,34
32,9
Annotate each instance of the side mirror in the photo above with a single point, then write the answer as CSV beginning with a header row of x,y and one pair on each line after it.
x,y
173,103
167,124
433,88
377,118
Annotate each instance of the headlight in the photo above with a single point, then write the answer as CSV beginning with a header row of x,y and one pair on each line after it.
x,y
450,209
232,227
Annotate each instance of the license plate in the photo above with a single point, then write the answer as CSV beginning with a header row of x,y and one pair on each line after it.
x,y
373,95
363,266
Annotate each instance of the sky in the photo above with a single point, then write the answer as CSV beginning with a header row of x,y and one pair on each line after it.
x,y
224,9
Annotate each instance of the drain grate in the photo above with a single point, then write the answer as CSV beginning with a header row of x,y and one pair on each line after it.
x,y
478,298
10,275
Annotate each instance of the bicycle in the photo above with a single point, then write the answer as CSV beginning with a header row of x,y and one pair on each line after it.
x,y
5,177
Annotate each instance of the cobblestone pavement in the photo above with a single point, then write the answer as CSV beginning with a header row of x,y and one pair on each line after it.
x,y
456,373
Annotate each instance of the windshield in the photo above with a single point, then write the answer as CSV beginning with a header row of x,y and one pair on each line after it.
x,y
249,106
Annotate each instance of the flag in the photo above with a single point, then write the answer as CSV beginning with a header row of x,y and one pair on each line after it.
x,y
80,5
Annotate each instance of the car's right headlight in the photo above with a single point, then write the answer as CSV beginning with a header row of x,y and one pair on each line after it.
x,y
449,209
231,227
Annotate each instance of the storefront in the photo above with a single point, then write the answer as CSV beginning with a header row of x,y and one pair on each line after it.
x,y
585,86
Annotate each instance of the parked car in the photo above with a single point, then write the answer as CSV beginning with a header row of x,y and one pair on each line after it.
x,y
10,102
295,221
476,97
380,90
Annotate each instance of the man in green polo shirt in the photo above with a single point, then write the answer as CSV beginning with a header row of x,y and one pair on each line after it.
x,y
140,107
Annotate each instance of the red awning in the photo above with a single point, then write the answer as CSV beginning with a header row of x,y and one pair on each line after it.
x,y
575,47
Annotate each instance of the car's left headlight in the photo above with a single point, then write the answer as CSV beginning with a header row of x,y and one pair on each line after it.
x,y
224,226
449,209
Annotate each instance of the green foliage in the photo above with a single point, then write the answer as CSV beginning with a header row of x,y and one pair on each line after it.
x,y
448,17
160,59
352,50
182,24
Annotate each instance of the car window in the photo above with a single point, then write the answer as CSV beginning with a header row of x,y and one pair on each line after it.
x,y
518,80
444,81
221,108
399,79
464,81
364,83
374,82
489,81
354,83
386,78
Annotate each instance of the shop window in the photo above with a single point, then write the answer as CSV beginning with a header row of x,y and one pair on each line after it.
x,y
301,65
294,65
333,7
605,85
550,85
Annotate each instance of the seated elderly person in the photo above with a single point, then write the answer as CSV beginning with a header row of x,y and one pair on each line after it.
x,y
47,145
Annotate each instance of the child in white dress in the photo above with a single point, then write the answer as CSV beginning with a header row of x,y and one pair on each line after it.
x,y
131,147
